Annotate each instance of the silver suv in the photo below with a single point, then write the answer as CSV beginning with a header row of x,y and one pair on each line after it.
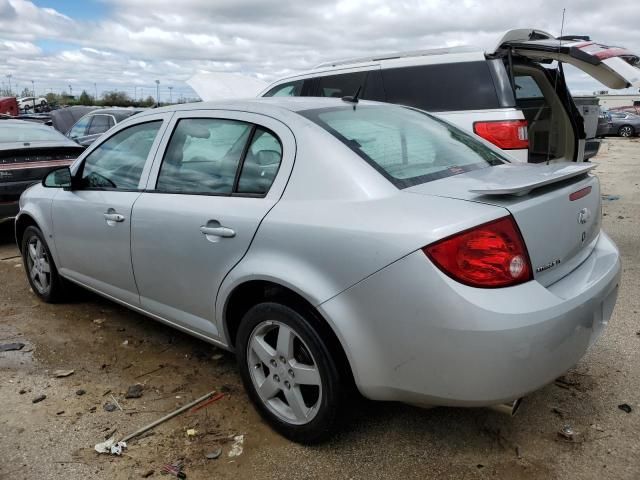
x,y
515,97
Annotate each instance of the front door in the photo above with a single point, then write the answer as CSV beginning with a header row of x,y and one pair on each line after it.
x,y
200,212
92,221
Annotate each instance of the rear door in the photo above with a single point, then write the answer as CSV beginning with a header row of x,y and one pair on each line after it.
x,y
213,181
615,67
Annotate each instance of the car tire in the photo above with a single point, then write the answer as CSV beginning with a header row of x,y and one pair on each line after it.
x,y
278,348
626,131
40,268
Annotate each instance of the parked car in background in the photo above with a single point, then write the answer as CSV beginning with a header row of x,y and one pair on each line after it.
x,y
92,125
9,106
511,96
62,119
28,151
397,251
623,124
635,108
32,104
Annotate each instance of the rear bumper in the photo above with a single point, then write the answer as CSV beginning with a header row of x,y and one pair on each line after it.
x,y
10,196
412,334
8,209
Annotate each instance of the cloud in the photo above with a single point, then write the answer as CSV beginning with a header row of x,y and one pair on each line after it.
x,y
141,40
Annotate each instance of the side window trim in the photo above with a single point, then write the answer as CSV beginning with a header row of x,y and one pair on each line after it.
x,y
243,157
78,169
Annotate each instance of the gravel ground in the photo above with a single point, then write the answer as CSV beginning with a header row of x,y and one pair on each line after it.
x,y
110,348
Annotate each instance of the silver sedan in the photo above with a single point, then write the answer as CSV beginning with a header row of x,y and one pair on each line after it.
x,y
333,243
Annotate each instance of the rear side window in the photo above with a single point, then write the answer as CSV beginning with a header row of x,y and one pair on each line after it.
x,y
527,87
442,87
100,124
340,85
408,147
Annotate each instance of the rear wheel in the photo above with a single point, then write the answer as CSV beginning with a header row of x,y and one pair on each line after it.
x,y
626,131
289,372
41,270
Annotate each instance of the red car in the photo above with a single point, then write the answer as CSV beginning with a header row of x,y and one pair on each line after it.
x,y
9,106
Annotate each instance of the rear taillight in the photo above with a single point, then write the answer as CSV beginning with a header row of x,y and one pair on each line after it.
x,y
491,255
505,134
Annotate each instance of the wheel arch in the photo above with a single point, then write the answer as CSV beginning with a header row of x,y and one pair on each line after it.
x,y
21,224
251,292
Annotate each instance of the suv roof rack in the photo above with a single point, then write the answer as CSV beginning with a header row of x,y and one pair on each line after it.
x,y
393,56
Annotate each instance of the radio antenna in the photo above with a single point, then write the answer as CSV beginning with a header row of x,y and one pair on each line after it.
x,y
555,82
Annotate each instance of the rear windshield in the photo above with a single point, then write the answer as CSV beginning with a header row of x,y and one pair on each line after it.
x,y
407,146
28,132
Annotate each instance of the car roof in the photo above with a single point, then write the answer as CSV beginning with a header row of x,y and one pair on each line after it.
x,y
116,112
264,105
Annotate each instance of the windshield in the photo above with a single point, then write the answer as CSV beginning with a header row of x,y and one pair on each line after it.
x,y
407,146
28,132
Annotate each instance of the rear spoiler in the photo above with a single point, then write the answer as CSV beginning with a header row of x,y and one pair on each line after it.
x,y
529,177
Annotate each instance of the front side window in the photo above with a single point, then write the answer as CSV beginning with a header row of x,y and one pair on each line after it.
x,y
203,156
406,146
79,129
100,124
117,163
291,89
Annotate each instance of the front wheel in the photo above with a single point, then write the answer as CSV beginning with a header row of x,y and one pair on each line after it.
x,y
289,372
41,270
626,131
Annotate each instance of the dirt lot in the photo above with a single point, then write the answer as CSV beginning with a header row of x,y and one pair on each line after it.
x,y
110,348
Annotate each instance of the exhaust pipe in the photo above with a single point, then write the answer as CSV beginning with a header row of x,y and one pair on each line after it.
x,y
507,408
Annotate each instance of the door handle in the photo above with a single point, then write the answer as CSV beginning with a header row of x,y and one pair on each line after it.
x,y
224,232
113,217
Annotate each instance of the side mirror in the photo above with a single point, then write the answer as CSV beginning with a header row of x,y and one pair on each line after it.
x,y
58,178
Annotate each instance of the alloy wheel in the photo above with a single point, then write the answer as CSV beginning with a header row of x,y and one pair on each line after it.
x,y
38,265
626,131
284,373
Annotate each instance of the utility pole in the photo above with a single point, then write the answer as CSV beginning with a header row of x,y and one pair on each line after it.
x,y
170,95
158,93
9,77
70,91
95,87
33,92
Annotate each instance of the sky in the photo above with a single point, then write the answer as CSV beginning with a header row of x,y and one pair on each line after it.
x,y
101,45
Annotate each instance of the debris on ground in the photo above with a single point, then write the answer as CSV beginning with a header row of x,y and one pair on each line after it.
x,y
567,433
62,373
98,321
39,398
8,347
134,391
625,407
22,391
214,454
175,469
215,398
110,446
192,432
237,446
125,343
217,356
559,412
80,392
109,407
116,403
148,473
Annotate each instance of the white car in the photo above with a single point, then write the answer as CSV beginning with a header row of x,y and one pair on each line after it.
x,y
31,103
514,96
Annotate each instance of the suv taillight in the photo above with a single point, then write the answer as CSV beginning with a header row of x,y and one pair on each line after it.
x,y
491,255
505,134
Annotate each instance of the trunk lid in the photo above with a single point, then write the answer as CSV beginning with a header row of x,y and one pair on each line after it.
x,y
615,67
556,207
